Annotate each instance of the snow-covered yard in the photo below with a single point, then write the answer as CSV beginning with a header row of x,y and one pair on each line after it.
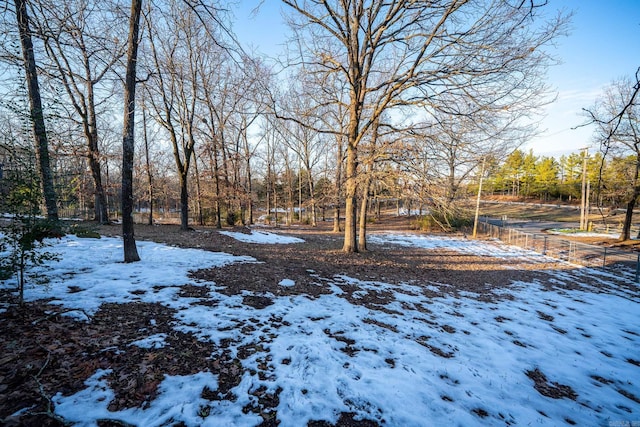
x,y
563,351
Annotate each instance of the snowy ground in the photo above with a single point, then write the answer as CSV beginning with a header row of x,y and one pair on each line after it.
x,y
563,352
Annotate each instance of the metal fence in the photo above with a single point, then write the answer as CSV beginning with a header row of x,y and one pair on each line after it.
x,y
564,249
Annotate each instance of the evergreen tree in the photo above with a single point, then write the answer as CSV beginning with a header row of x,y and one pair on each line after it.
x,y
528,173
546,177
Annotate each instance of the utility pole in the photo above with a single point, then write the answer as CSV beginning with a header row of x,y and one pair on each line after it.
x,y
583,201
475,220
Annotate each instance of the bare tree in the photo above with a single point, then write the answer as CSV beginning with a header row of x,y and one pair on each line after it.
x,y
301,137
399,53
174,43
456,144
36,112
617,118
231,106
79,42
130,249
147,165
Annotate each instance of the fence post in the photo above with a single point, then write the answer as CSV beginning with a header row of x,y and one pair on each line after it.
x,y
570,249
604,258
638,269
544,249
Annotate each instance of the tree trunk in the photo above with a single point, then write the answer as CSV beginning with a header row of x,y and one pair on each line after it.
x,y
36,112
350,243
130,250
101,213
216,178
451,184
247,154
631,204
275,204
337,187
250,195
288,190
198,191
312,191
184,202
148,167
362,234
626,227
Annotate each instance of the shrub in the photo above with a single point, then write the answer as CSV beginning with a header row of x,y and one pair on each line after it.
x,y
233,217
22,238
84,232
443,222
22,246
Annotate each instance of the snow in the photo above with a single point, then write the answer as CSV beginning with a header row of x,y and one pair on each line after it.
x,y
261,237
411,360
152,341
287,283
458,244
91,273
579,233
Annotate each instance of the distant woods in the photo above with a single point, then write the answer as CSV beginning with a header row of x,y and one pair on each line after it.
x,y
559,179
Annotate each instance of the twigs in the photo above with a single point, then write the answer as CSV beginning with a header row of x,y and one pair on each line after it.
x,y
49,410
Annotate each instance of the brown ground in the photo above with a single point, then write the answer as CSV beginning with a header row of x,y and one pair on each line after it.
x,y
45,353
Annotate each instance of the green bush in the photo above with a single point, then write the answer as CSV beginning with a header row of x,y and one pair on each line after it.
x,y
84,232
22,237
22,246
440,222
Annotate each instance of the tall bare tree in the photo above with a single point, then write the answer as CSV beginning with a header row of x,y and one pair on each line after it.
x,y
36,112
402,52
79,41
128,140
185,50
457,143
173,38
617,118
301,137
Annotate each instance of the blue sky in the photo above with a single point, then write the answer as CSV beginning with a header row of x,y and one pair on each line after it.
x,y
603,45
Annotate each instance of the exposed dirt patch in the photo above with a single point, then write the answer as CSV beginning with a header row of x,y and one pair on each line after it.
x,y
546,388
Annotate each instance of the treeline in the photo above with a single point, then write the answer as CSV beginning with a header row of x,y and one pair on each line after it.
x,y
370,105
523,174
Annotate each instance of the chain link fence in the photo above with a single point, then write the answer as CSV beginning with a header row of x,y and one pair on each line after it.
x,y
564,249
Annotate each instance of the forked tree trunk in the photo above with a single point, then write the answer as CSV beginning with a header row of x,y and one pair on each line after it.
x,y
130,250
36,112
